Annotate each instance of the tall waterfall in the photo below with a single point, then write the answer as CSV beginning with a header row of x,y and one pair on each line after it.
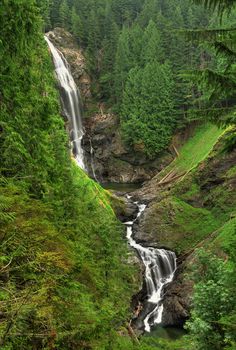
x,y
71,102
160,266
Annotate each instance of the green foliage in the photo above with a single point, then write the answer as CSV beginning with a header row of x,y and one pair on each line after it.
x,y
212,322
64,14
76,26
148,108
203,197
63,264
216,79
122,35
196,149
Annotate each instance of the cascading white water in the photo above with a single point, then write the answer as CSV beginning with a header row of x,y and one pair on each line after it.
x,y
92,160
71,102
160,266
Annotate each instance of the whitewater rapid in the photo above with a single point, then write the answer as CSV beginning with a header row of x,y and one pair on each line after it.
x,y
160,266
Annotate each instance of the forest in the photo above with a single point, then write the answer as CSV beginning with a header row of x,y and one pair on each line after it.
x,y
164,68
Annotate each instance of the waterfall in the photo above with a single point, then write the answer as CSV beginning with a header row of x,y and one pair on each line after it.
x,y
160,266
92,160
71,102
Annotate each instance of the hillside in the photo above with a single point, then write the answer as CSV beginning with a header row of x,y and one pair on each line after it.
x,y
63,258
191,212
134,93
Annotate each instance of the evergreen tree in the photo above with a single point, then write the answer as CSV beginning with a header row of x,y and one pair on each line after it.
x,y
148,108
64,14
45,6
122,63
54,13
152,50
92,49
108,59
77,26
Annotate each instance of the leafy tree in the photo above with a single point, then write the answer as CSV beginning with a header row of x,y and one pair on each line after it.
x,y
212,321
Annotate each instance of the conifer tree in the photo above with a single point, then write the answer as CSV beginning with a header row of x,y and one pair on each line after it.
x,y
54,13
152,46
148,108
64,14
109,51
77,26
122,63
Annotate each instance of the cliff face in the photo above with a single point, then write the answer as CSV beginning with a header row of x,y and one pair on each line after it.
x,y
65,42
108,159
112,161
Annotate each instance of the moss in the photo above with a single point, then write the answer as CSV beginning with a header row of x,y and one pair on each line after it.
x,y
198,147
195,223
231,172
181,226
226,238
195,150
203,201
118,203
192,192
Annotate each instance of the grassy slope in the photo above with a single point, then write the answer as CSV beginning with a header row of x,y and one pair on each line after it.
x,y
195,150
200,202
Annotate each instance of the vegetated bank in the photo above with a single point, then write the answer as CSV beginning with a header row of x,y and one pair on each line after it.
x,y
63,257
191,210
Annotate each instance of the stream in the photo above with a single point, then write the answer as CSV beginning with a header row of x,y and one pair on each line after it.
x,y
160,266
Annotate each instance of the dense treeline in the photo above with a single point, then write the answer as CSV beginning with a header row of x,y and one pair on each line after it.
x,y
127,41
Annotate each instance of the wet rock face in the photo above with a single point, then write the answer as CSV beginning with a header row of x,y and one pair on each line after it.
x,y
65,43
112,161
177,301
107,156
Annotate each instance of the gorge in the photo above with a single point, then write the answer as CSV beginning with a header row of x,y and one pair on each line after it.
x,y
139,96
177,300
160,265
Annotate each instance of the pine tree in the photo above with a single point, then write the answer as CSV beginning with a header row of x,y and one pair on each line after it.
x,y
122,64
93,43
45,6
64,15
54,13
77,26
108,60
148,114
152,46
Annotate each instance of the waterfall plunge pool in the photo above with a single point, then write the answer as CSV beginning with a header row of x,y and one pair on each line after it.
x,y
167,333
121,187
